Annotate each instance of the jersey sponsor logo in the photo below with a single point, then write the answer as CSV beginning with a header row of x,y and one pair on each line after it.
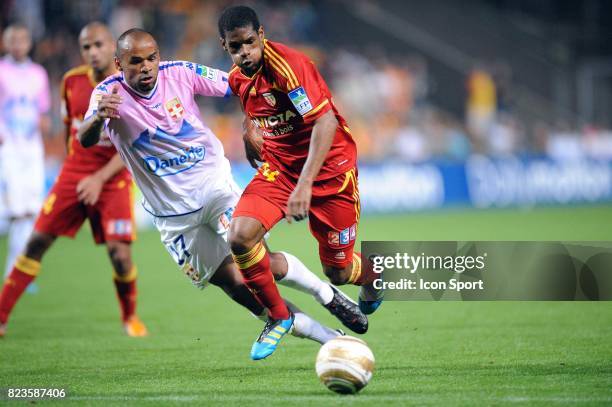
x,y
273,121
174,162
300,100
270,99
206,72
175,108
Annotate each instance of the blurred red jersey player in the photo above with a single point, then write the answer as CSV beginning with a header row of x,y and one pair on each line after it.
x,y
93,184
309,156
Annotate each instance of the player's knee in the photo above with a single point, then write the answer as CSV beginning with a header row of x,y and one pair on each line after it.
x,y
120,256
337,276
240,240
37,245
278,265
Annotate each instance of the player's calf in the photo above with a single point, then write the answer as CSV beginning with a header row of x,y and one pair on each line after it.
x,y
124,277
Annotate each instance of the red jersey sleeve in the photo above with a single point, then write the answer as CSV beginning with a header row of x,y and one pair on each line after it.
x,y
303,83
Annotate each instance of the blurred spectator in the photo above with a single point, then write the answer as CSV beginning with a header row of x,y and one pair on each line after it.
x,y
481,104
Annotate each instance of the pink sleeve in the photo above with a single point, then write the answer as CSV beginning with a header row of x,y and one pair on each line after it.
x,y
44,98
208,81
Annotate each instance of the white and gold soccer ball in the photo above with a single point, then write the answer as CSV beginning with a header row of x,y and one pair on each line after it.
x,y
345,364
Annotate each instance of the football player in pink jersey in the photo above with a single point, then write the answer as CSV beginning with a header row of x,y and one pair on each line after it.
x,y
24,107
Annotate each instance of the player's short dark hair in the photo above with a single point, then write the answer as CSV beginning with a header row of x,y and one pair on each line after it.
x,y
237,17
126,34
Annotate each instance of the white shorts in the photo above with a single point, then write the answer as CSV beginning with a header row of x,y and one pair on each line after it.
x,y
198,241
22,181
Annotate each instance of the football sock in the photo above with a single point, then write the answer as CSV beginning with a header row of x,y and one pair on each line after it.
x,y
255,268
126,292
301,278
24,271
306,327
18,234
361,275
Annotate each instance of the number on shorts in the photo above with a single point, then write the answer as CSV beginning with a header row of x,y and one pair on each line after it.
x,y
179,250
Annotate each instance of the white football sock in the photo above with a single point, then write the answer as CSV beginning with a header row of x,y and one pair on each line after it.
x,y
306,327
19,233
301,278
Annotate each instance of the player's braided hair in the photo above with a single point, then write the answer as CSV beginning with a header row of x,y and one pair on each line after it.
x,y
237,17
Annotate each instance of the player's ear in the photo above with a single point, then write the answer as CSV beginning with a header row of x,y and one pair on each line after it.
x,y
261,33
223,43
117,64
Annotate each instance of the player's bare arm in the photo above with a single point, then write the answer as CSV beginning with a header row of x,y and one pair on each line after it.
x,y
90,187
108,108
322,137
253,142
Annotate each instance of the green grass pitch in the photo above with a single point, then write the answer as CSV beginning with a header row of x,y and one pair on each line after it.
x,y
427,353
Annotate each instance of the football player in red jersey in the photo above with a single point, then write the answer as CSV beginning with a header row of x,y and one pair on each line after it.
x,y
93,184
309,160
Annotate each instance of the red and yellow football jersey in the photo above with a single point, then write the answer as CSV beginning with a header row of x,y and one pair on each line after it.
x,y
284,99
76,88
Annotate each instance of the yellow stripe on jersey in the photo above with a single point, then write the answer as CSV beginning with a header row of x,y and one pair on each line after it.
x,y
316,109
282,72
234,69
27,265
284,62
284,65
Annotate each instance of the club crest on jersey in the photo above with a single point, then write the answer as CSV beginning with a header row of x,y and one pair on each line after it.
x,y
270,99
175,108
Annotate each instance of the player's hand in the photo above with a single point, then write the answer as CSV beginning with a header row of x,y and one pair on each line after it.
x,y
108,106
89,189
298,204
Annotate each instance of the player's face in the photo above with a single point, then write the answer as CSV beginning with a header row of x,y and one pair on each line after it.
x,y
97,48
17,43
140,65
245,46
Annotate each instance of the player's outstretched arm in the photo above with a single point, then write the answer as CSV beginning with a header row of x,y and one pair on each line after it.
x,y
108,108
321,140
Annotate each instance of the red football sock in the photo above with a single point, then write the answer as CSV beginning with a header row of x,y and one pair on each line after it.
x,y
23,272
361,275
255,268
126,293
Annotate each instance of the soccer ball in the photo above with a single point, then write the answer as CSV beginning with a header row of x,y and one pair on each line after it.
x,y
345,364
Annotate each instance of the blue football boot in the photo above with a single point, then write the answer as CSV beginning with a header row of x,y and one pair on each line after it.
x,y
271,335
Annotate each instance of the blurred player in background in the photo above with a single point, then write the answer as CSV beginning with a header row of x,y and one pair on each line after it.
x,y
24,108
310,162
93,184
149,112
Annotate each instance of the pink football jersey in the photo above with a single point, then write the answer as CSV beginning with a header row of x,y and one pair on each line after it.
x,y
174,158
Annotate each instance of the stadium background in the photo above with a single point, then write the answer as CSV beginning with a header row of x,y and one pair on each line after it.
x,y
481,119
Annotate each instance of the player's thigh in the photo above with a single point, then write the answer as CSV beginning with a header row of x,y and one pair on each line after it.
x,y
61,213
333,222
112,217
195,247
264,199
